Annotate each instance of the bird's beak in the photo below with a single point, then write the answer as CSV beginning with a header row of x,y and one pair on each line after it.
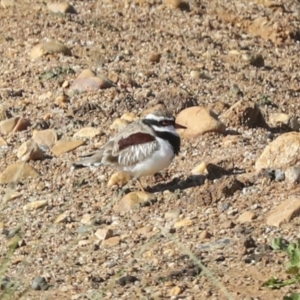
x,y
178,126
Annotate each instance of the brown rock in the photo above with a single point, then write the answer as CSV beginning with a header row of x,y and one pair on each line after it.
x,y
21,125
87,132
111,242
246,216
119,124
129,117
175,291
285,212
61,218
61,7
46,137
51,47
120,179
198,120
3,143
284,121
7,3
62,147
244,113
17,172
183,223
91,84
30,151
132,200
62,101
281,153
204,235
86,73
35,205
180,4
104,233
155,57
7,126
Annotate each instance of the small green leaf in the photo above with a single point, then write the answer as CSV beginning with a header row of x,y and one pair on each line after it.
x,y
293,296
279,244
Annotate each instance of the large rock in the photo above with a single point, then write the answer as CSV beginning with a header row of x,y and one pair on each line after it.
x,y
198,120
282,153
17,172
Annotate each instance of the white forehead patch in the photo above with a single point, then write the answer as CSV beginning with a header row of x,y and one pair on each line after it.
x,y
157,118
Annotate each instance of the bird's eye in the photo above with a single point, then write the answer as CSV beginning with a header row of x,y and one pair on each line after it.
x,y
166,122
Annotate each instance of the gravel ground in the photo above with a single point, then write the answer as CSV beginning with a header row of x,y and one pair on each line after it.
x,y
73,243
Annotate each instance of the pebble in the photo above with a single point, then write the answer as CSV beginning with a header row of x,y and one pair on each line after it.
x,y
87,132
195,74
30,150
17,172
62,101
51,47
155,57
257,60
126,280
111,242
104,233
46,137
87,219
175,291
61,7
198,121
281,119
145,230
61,218
119,124
62,146
204,235
35,205
183,223
242,113
133,200
282,153
39,283
120,179
173,214
21,125
279,175
7,3
129,117
8,125
292,175
246,217
285,212
11,195
178,4
3,143
200,169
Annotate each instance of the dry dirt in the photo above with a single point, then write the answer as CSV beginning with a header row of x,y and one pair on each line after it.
x,y
241,50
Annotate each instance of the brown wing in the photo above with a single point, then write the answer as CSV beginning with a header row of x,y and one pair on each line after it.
x,y
135,148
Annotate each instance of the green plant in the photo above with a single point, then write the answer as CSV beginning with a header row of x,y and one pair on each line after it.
x,y
293,266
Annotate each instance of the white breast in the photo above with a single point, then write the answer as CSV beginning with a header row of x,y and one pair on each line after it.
x,y
158,161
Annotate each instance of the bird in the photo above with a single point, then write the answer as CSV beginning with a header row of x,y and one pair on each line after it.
x,y
143,148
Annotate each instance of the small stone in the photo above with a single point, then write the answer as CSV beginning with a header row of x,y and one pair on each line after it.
x,y
87,219
198,121
195,74
30,151
7,126
86,73
284,120
245,113
120,179
279,175
11,195
126,280
17,172
21,125
133,200
61,7
119,124
175,291
155,57
87,132
246,216
111,242
62,146
180,4
7,3
173,214
61,218
45,96
51,47
39,283
35,205
285,212
200,169
46,137
62,101
204,235
129,117
183,223
292,175
282,153
83,243
145,230
104,233
3,143
66,84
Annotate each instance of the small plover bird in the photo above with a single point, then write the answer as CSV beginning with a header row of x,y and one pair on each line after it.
x,y
144,147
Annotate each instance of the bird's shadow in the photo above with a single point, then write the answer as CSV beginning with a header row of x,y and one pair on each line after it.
x,y
214,172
